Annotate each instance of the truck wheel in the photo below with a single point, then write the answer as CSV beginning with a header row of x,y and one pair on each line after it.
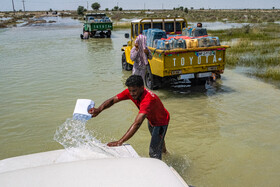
x,y
125,66
151,81
102,34
108,34
92,34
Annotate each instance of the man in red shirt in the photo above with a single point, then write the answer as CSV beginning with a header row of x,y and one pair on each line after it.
x,y
149,106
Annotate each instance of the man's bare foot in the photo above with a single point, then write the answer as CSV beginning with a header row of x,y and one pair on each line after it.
x,y
164,150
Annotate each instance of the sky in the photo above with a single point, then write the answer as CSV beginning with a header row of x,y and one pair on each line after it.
x,y
32,5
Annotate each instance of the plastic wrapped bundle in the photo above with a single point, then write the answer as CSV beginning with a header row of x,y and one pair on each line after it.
x,y
144,32
187,31
208,41
168,45
179,43
155,43
160,44
153,34
194,32
214,41
203,42
198,31
164,44
149,37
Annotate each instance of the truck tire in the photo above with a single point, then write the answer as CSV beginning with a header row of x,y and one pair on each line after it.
x,y
151,81
102,34
92,34
125,66
108,34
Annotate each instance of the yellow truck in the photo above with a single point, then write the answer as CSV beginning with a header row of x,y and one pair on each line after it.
x,y
199,58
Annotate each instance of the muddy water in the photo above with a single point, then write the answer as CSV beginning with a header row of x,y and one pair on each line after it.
x,y
220,134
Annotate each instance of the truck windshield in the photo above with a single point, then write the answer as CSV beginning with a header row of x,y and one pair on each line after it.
x,y
157,25
169,27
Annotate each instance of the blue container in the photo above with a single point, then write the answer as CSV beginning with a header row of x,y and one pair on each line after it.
x,y
154,34
179,43
187,31
161,44
194,31
165,44
144,32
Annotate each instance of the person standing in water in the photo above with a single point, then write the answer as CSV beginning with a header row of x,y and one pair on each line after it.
x,y
140,54
150,107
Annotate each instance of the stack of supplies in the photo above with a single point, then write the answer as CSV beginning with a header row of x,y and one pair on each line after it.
x,y
191,38
154,34
194,31
208,41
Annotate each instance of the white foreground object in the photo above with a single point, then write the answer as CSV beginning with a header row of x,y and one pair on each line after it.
x,y
49,169
82,106
81,109
59,156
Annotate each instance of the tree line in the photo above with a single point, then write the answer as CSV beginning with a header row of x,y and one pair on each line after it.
x,y
96,6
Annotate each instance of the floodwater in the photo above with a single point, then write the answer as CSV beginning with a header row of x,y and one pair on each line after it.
x,y
222,134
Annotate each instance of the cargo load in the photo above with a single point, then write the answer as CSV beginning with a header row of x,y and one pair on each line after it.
x,y
164,44
97,25
156,38
178,52
208,41
153,34
194,31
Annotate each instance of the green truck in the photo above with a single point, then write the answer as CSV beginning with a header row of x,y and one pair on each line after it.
x,y
98,24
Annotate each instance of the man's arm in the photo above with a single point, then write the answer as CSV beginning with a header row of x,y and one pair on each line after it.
x,y
131,131
107,104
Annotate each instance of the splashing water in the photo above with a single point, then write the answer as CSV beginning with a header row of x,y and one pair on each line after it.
x,y
78,141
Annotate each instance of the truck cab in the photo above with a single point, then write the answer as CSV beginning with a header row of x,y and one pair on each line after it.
x,y
182,54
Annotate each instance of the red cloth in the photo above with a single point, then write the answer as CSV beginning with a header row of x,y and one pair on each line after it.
x,y
150,105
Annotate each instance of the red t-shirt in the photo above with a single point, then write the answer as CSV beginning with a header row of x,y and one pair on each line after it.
x,y
150,105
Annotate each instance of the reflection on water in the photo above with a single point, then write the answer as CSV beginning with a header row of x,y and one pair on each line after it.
x,y
94,45
221,134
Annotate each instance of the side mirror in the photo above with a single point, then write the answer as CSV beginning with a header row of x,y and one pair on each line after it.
x,y
126,35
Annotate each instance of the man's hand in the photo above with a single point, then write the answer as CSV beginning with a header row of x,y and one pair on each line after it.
x,y
94,112
113,144
146,51
136,46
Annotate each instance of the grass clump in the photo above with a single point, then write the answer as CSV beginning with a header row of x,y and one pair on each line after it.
x,y
257,47
247,31
272,72
121,25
